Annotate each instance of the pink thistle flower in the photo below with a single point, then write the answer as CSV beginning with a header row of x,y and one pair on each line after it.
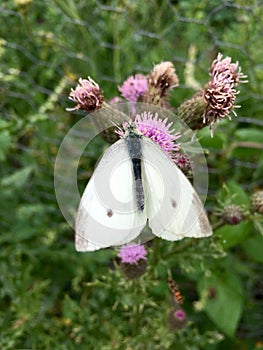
x,y
180,314
159,131
219,94
217,99
134,87
87,95
132,254
223,69
156,129
177,319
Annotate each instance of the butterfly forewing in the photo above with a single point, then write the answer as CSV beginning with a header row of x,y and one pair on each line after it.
x,y
108,213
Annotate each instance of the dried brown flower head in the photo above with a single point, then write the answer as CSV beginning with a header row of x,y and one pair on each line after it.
x,y
161,80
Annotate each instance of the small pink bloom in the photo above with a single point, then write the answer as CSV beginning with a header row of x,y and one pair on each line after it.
x,y
132,254
180,314
134,87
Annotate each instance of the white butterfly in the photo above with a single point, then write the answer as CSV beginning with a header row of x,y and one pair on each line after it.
x,y
137,183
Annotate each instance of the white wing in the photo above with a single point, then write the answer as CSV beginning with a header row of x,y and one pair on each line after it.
x,y
108,214
173,207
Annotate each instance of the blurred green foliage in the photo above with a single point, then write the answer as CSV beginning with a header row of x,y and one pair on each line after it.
x,y
54,298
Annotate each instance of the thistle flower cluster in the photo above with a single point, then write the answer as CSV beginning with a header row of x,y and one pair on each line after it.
x,y
214,102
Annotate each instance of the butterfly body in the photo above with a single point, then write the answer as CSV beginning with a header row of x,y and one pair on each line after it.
x,y
133,142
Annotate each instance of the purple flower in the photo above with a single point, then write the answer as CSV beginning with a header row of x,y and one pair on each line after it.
x,y
180,314
134,87
87,95
223,69
132,254
159,131
177,319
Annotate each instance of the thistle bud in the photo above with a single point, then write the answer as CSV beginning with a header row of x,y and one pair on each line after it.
x,y
257,202
177,319
191,111
232,214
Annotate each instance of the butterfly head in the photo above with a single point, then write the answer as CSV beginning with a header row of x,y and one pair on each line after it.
x,y
132,130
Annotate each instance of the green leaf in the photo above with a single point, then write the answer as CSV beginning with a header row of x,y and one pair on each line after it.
x,y
233,193
254,248
4,124
225,308
233,235
206,141
249,135
5,142
17,179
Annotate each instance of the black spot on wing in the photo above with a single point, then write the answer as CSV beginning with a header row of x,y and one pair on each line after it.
x,y
173,202
109,213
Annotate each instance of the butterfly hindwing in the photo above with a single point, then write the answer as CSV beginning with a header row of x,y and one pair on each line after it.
x,y
173,206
